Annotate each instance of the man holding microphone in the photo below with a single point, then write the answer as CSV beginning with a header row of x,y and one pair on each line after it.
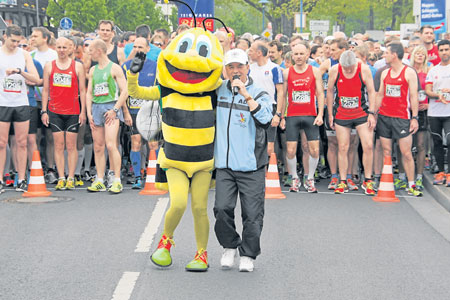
x,y
244,112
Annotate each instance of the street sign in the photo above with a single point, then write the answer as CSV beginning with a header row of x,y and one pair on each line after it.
x,y
66,23
319,33
267,34
297,20
319,25
63,32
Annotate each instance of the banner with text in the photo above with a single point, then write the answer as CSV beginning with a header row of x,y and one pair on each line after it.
x,y
202,8
432,12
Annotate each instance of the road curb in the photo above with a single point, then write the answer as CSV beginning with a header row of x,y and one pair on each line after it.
x,y
439,192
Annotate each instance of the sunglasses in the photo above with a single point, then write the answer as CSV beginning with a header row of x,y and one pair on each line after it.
x,y
157,44
86,45
23,45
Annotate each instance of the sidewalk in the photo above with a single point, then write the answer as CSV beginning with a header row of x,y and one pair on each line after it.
x,y
439,192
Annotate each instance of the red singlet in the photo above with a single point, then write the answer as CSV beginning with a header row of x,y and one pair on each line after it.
x,y
64,90
302,93
351,102
395,102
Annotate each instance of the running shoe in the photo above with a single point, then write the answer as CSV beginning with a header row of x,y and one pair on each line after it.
x,y
70,184
61,185
448,179
439,178
78,180
161,257
368,187
419,184
87,176
287,180
131,179
400,184
22,186
199,263
116,187
109,179
376,184
414,191
137,185
427,162
341,188
305,183
333,183
351,185
97,186
51,176
295,185
9,181
311,187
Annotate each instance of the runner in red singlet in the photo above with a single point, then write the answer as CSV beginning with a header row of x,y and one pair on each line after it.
x,y
396,97
64,80
352,80
303,83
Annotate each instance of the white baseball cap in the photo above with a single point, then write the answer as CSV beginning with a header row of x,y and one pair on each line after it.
x,y
235,56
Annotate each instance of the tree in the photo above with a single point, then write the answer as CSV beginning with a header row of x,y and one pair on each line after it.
x,y
86,14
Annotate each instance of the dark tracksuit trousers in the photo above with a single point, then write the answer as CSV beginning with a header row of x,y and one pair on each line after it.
x,y
251,189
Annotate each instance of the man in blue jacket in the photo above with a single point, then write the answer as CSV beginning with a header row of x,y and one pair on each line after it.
x,y
244,112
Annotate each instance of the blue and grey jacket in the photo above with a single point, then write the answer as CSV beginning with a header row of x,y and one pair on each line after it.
x,y
241,139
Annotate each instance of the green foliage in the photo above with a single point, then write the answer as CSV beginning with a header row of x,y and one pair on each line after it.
x,y
235,14
125,14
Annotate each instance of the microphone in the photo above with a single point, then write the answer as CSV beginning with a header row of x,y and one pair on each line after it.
x,y
235,88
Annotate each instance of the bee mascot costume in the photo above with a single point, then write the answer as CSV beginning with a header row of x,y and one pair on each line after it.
x,y
188,73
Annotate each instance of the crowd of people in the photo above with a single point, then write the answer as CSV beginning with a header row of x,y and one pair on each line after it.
x,y
331,107
345,99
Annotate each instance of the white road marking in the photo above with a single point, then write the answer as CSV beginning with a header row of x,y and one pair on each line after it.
x,y
146,239
125,286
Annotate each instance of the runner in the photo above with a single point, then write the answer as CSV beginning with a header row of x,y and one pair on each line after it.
x,y
103,103
397,95
14,106
438,89
269,77
427,36
64,80
146,78
303,85
352,78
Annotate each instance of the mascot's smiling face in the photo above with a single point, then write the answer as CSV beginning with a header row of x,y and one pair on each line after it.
x,y
191,63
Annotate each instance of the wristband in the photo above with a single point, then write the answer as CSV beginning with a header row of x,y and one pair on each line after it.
x,y
371,112
248,98
43,112
116,110
416,118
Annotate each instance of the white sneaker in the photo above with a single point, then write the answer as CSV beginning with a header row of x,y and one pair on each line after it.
x,y
227,260
246,264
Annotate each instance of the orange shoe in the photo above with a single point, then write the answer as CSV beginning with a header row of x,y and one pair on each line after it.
x,y
333,183
447,180
439,178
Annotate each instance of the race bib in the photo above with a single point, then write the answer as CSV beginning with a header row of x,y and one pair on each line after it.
x,y
101,89
422,96
11,85
393,90
134,103
62,80
301,97
350,102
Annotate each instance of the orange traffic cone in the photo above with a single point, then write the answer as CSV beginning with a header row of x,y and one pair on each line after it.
x,y
36,186
149,188
273,189
386,191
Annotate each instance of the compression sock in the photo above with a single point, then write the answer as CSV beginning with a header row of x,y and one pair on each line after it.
x,y
80,161
292,166
135,158
313,162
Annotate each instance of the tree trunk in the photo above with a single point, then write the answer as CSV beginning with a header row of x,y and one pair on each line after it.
x,y
371,18
396,12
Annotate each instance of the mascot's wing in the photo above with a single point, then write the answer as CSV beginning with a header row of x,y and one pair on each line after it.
x,y
139,92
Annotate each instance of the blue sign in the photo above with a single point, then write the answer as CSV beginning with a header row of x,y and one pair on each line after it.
x,y
66,23
202,9
432,12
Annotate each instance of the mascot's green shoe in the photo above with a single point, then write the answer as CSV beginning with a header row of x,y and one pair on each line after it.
x,y
161,257
199,263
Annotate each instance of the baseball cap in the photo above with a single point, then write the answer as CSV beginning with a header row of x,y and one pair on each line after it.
x,y
236,55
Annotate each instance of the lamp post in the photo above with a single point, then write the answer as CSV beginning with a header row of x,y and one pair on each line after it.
x,y
301,16
37,13
263,3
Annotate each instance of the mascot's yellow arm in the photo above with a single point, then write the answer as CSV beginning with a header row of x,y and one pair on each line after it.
x,y
139,92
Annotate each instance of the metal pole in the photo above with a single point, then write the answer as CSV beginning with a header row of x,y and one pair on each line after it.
x,y
37,13
264,13
301,16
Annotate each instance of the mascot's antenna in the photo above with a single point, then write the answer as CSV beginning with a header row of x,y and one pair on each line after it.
x,y
212,18
192,11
